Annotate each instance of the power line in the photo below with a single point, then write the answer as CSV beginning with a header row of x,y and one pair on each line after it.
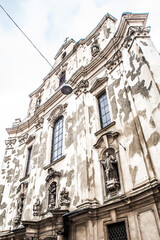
x,y
26,36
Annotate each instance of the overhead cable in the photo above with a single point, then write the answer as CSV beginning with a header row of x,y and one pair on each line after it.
x,y
26,36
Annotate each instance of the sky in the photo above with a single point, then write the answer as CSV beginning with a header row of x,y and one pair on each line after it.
x,y
47,23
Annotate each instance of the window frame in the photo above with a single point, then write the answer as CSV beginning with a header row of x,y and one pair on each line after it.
x,y
102,125
62,78
113,221
116,223
28,163
58,156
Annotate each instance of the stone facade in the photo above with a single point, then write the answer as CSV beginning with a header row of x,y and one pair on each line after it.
x,y
100,180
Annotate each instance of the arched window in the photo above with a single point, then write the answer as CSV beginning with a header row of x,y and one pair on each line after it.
x,y
57,140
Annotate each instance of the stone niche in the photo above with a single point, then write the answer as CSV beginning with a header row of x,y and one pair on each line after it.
x,y
107,145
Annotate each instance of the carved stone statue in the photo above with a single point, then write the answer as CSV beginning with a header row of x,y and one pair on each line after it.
x,y
52,195
38,101
95,49
111,173
64,197
36,208
17,220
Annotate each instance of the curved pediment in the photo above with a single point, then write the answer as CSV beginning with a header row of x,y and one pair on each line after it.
x,y
97,83
57,112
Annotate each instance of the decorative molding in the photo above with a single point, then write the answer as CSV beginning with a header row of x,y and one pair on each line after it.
x,y
39,123
10,142
81,87
105,128
30,139
110,134
22,138
16,122
57,112
98,83
133,32
52,174
88,203
114,60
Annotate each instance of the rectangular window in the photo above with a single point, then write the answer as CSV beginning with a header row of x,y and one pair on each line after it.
x,y
57,140
28,161
117,231
62,78
104,110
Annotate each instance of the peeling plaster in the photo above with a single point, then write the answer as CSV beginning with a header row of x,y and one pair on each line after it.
x,y
76,200
154,139
133,172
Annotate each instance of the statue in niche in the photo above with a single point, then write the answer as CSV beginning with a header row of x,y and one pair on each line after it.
x,y
19,211
111,173
95,49
38,101
64,197
52,195
36,208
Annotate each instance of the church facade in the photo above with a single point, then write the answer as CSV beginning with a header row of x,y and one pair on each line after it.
x,y
84,164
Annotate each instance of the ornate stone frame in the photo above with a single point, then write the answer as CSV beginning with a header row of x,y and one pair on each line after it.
x,y
108,141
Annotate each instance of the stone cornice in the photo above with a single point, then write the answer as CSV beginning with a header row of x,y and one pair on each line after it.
x,y
100,61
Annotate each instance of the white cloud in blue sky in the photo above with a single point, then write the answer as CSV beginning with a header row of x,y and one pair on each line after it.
x,y
47,23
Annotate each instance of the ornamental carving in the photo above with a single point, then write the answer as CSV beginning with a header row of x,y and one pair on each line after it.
x,y
64,198
52,174
110,165
52,196
37,208
114,60
135,31
98,83
18,217
95,49
22,138
57,112
10,142
81,87
39,123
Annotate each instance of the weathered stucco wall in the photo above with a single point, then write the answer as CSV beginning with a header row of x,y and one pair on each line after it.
x,y
129,74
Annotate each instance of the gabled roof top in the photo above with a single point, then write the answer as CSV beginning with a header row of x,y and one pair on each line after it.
x,y
67,43
64,46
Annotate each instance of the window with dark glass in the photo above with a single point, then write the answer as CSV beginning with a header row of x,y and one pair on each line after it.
x,y
57,140
104,110
117,231
62,78
28,161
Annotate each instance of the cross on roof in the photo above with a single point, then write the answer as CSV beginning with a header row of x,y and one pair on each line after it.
x,y
66,40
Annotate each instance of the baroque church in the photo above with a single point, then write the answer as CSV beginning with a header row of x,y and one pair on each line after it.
x,y
84,164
